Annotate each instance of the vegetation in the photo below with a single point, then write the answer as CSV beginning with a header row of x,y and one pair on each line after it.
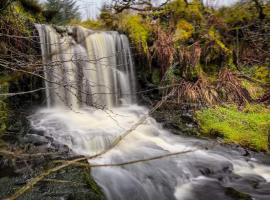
x,y
4,86
137,30
61,12
213,56
248,127
214,62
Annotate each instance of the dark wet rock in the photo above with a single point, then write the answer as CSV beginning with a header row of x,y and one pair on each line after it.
x,y
178,121
35,139
39,153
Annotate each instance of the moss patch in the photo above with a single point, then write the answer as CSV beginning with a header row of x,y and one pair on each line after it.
x,y
3,109
249,127
255,90
92,185
237,195
183,31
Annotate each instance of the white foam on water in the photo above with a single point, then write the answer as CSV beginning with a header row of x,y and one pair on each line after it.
x,y
90,131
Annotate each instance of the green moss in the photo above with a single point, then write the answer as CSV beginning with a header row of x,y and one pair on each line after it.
x,y
255,90
3,108
92,185
262,73
25,11
184,30
236,194
137,30
215,36
249,127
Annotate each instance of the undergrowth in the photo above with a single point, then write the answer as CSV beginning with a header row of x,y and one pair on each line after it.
x,y
249,127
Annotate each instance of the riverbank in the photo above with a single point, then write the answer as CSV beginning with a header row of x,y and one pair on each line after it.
x,y
248,127
25,154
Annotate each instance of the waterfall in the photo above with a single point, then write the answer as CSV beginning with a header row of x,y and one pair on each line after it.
x,y
83,67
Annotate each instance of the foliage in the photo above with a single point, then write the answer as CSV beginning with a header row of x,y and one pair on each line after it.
x,y
18,21
107,17
184,30
248,127
180,9
164,50
137,30
238,13
189,60
200,92
216,37
89,24
255,90
3,108
262,73
32,6
61,12
230,88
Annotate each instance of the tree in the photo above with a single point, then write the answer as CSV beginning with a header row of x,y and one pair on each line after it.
x,y
259,7
137,5
61,12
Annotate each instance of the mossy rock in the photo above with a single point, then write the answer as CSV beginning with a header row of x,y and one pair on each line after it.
x,y
236,195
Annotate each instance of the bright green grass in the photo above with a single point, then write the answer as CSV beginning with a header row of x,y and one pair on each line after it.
x,y
249,127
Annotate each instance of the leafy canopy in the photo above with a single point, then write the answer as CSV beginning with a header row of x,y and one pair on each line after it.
x,y
61,12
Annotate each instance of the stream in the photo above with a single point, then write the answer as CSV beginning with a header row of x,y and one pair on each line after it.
x,y
91,101
208,169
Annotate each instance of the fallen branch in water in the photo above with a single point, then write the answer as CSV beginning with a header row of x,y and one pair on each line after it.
x,y
142,120
37,179
142,160
77,161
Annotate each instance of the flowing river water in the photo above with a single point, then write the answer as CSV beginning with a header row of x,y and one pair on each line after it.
x,y
86,70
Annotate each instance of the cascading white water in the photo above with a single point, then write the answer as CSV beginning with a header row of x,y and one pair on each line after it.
x,y
82,67
102,73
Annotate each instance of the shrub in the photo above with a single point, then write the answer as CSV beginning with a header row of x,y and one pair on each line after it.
x,y
137,30
184,30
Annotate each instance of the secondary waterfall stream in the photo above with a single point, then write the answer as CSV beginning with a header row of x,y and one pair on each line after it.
x,y
85,70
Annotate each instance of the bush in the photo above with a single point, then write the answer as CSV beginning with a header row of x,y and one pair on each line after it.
x,y
184,31
137,30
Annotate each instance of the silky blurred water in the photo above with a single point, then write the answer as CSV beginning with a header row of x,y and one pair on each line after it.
x,y
203,173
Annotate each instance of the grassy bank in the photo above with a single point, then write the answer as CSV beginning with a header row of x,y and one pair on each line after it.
x,y
249,127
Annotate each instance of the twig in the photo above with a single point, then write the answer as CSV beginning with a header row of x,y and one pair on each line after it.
x,y
21,93
37,179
